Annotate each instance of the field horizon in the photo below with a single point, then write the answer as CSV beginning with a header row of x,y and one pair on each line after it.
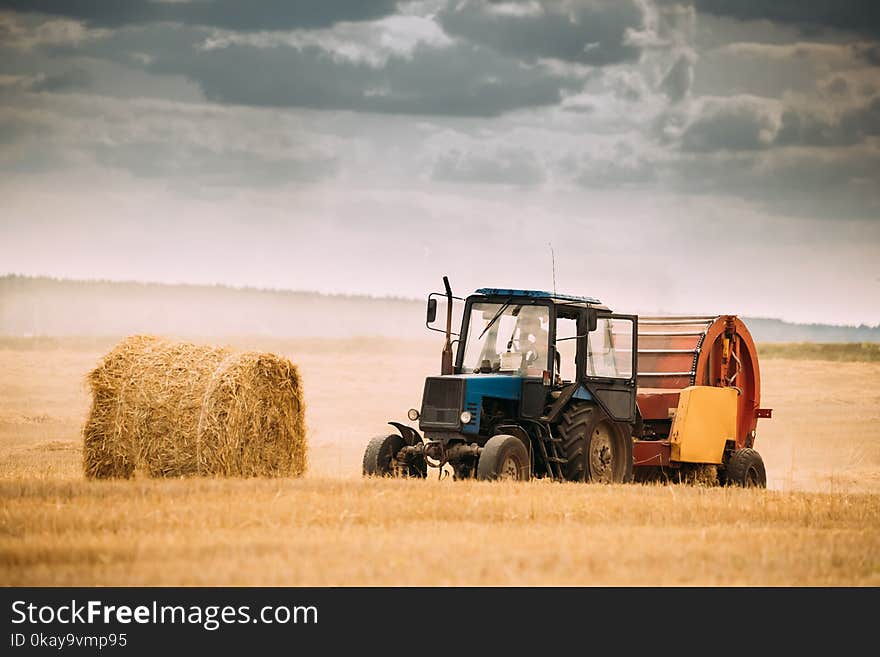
x,y
43,306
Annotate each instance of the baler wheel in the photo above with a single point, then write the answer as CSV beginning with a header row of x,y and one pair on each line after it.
x,y
746,468
380,459
504,457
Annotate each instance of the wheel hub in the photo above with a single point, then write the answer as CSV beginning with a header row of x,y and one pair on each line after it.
x,y
601,455
509,469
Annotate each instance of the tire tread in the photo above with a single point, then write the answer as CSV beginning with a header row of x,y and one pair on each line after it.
x,y
739,463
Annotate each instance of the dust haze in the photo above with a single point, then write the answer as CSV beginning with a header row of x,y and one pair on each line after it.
x,y
39,306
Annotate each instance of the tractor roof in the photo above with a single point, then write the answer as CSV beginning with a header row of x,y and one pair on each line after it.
x,y
536,294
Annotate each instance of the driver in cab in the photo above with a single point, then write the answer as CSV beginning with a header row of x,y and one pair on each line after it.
x,y
532,343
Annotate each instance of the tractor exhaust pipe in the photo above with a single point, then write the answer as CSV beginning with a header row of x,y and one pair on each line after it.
x,y
446,366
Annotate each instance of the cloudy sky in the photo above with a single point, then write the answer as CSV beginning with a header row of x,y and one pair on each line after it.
x,y
717,155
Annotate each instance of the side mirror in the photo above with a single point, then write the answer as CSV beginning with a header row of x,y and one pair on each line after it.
x,y
592,319
437,310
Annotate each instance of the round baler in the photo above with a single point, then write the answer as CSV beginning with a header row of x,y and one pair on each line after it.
x,y
684,421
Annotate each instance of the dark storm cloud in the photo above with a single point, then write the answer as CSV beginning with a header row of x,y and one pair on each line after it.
x,y
16,127
591,33
779,150
679,79
459,80
837,87
862,16
866,120
812,129
456,79
73,79
730,124
750,123
226,14
868,53
826,184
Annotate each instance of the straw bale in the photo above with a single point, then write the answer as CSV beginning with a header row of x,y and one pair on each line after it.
x,y
171,409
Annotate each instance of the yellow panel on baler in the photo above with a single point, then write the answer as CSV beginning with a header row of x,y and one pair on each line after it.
x,y
704,421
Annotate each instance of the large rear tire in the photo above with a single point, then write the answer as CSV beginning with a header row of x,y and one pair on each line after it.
x,y
746,468
597,448
380,459
504,457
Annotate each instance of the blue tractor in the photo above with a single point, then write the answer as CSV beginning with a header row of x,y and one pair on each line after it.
x,y
541,385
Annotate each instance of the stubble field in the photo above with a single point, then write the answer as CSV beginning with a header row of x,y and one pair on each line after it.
x,y
818,524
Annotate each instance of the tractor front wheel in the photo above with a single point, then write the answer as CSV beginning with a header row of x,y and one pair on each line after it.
x,y
746,468
381,459
504,457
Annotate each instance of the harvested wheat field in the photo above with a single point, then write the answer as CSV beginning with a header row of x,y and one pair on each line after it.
x,y
819,524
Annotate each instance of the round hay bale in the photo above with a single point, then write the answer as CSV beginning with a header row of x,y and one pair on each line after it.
x,y
251,421
173,409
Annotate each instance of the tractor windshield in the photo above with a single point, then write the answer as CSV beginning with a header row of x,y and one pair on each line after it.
x,y
507,338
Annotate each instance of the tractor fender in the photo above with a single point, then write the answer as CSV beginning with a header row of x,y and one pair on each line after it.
x,y
410,436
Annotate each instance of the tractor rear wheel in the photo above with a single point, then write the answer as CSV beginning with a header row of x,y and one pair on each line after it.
x,y
504,457
596,447
380,459
746,468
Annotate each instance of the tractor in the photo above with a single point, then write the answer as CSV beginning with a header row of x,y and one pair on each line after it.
x,y
549,385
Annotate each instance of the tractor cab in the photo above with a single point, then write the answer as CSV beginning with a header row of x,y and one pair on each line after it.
x,y
520,351
532,333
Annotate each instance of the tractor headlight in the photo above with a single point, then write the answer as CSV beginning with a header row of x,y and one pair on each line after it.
x,y
465,417
412,414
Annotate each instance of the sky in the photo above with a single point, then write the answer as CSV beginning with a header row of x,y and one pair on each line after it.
x,y
705,156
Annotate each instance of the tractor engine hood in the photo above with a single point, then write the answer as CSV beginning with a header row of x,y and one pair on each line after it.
x,y
445,398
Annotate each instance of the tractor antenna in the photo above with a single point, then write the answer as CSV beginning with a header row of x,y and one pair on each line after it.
x,y
553,260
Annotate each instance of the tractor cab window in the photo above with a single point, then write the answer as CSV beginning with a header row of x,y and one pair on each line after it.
x,y
508,338
566,347
609,349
